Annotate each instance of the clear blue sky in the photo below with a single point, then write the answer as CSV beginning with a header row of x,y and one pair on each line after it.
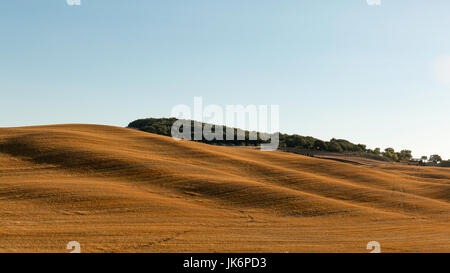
x,y
377,75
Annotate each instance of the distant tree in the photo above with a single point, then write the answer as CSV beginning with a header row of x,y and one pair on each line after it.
x,y
377,151
435,159
395,157
405,155
320,145
423,160
335,147
362,147
391,154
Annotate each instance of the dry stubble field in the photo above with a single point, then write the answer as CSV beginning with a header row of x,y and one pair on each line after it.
x,y
120,190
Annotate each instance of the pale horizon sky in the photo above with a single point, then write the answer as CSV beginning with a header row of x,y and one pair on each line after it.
x,y
377,75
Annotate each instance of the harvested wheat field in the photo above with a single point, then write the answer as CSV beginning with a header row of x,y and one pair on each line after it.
x,y
121,190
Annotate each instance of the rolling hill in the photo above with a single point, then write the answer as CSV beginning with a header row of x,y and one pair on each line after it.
x,y
121,190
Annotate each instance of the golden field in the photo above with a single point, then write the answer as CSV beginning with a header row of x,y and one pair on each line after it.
x,y
120,190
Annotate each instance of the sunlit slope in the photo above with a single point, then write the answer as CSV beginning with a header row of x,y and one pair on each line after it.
x,y
117,189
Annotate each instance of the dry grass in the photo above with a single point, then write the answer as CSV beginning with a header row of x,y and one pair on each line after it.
x,y
120,190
